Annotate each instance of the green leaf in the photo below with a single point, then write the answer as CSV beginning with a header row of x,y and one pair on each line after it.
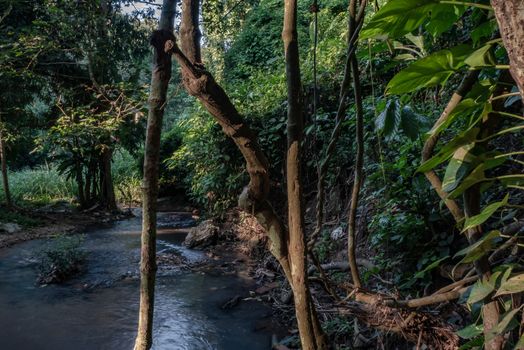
x,y
479,248
512,285
485,214
476,176
458,167
387,122
482,57
429,71
430,267
503,325
470,331
466,108
447,151
482,288
410,121
400,17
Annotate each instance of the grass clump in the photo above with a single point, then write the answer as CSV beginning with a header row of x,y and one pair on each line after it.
x,y
62,259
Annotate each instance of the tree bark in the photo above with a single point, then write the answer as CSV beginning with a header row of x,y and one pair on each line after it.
x,y
308,326
5,177
510,18
161,40
189,31
107,180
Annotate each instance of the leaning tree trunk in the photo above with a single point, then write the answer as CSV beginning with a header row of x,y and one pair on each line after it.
x,y
5,177
201,84
510,15
161,74
306,314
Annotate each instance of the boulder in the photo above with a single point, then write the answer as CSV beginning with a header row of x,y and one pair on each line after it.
x,y
203,235
10,227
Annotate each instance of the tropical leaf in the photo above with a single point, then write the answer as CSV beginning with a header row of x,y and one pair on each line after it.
x,y
476,176
400,17
388,121
485,214
432,70
411,122
482,57
449,149
459,166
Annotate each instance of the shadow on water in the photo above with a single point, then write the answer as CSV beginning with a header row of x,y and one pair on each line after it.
x,y
98,310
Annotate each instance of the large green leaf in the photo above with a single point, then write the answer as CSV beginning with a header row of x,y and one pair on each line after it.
x,y
512,285
485,214
479,248
400,17
388,121
429,71
411,122
447,151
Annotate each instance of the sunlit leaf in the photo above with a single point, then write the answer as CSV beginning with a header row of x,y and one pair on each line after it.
x,y
512,285
400,17
430,71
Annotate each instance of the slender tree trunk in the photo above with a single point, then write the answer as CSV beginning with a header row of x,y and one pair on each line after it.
x,y
510,14
306,315
107,183
5,177
161,40
80,184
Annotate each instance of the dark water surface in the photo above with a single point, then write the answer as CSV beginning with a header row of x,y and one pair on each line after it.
x,y
98,310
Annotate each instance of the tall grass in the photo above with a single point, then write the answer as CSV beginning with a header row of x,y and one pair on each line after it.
x,y
39,186
44,185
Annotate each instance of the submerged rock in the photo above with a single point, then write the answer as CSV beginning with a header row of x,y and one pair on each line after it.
x,y
203,235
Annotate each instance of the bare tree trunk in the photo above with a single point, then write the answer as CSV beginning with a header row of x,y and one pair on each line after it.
x,y
189,30
510,14
108,189
5,177
308,324
161,40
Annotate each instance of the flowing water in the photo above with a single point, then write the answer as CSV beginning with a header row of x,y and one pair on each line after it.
x,y
98,310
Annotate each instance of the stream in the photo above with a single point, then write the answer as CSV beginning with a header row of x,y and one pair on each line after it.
x,y
99,309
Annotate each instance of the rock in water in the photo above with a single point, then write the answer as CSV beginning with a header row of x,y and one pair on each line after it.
x,y
10,227
203,235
